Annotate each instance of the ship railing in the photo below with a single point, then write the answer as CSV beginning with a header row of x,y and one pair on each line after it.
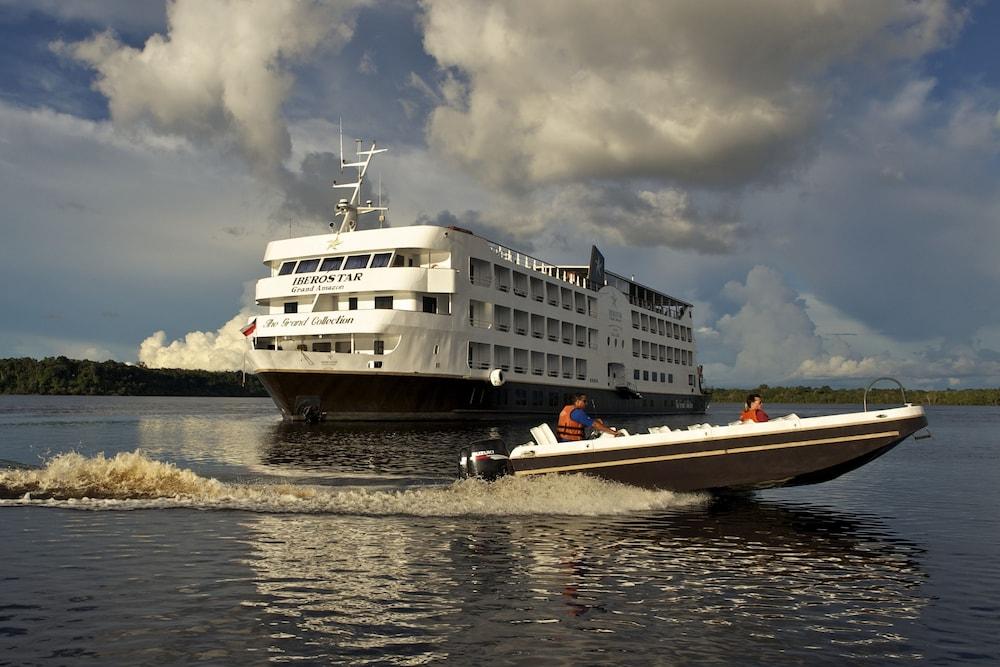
x,y
520,292
674,309
521,331
536,371
482,324
480,364
482,281
535,264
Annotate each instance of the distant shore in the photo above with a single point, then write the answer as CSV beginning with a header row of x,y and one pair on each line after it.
x,y
882,394
59,376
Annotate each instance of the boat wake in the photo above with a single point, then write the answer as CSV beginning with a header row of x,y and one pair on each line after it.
x,y
131,481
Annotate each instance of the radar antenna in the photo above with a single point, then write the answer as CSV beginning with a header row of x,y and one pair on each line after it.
x,y
349,209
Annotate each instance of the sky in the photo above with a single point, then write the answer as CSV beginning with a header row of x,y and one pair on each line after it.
x,y
820,179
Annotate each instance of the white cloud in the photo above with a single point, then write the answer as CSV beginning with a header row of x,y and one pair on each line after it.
x,y
692,92
222,350
221,72
771,332
772,339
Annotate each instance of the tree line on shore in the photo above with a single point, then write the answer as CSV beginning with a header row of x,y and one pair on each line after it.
x,y
75,377
877,396
62,376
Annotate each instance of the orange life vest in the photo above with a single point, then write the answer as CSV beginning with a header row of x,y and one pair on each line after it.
x,y
567,429
757,415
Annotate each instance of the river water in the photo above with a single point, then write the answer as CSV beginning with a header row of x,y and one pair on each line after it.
x,y
181,531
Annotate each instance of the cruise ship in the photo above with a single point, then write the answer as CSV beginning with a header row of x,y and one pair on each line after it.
x,y
431,322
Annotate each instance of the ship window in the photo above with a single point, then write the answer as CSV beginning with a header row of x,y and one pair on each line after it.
x,y
670,378
383,303
352,303
357,262
291,306
331,264
379,347
286,268
663,377
342,346
645,375
636,374
307,266
430,304
397,260
322,347
380,259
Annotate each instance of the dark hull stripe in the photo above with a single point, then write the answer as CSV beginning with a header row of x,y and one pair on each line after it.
x,y
377,396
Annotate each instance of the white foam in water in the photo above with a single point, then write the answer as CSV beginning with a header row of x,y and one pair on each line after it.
x,y
133,481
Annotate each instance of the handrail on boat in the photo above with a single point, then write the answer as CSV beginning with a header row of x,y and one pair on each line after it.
x,y
872,383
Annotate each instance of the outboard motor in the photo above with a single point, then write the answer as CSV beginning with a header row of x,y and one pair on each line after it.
x,y
486,459
311,414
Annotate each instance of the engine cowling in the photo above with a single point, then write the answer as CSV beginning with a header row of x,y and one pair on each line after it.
x,y
485,459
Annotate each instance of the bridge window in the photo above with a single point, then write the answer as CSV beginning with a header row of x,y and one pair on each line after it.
x,y
286,268
331,264
383,303
380,259
357,262
291,306
307,266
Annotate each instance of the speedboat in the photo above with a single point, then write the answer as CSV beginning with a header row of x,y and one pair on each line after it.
x,y
740,456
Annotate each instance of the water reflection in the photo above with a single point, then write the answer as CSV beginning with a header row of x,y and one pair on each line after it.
x,y
739,577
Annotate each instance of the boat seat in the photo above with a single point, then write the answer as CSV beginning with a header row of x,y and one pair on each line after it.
x,y
543,435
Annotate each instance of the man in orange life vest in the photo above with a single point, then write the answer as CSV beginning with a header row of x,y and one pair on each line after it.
x,y
573,419
754,411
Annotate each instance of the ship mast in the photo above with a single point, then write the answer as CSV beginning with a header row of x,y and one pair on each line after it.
x,y
349,209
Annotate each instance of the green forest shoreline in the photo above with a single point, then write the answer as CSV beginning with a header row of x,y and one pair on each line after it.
x,y
59,376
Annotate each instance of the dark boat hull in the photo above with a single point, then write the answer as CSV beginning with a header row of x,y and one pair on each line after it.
x,y
373,397
736,463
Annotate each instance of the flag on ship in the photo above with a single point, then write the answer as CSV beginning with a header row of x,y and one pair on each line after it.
x,y
249,328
